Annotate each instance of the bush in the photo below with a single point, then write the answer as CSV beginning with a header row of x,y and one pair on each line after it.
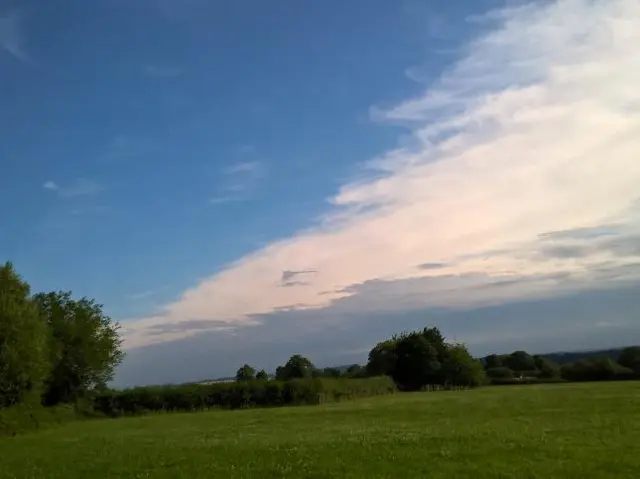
x,y
245,394
30,415
596,369
500,373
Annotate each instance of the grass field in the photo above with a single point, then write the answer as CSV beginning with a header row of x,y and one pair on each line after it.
x,y
569,430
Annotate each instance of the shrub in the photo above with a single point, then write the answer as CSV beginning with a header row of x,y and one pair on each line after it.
x,y
238,395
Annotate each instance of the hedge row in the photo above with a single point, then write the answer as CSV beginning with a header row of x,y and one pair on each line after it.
x,y
237,395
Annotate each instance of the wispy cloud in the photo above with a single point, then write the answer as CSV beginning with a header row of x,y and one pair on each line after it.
x,y
142,295
12,37
536,129
239,180
79,187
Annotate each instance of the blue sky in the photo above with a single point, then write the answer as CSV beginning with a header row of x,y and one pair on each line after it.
x,y
251,179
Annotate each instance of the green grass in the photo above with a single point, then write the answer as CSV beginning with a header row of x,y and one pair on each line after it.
x,y
567,430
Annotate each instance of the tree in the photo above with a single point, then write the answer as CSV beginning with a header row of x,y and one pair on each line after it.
x,y
355,371
630,358
85,346
382,358
331,373
245,373
417,363
520,361
262,375
23,340
602,368
493,361
297,367
500,373
459,368
547,368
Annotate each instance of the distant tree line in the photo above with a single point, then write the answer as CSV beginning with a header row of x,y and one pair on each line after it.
x,y
520,366
53,348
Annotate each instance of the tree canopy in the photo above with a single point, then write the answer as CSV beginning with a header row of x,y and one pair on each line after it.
x,y
24,363
51,345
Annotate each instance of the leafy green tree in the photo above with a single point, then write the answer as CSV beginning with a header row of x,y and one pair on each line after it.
x,y
355,371
382,358
520,361
417,362
493,361
500,373
85,346
547,368
331,373
296,367
602,368
460,368
262,375
245,373
23,340
630,358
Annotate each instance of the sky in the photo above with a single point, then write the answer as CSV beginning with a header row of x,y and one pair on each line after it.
x,y
242,181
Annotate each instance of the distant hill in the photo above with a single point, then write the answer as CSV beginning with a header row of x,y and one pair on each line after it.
x,y
570,357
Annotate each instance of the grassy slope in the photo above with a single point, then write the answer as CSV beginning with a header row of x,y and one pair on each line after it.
x,y
569,430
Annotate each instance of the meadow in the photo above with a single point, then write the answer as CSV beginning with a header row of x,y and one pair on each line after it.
x,y
561,430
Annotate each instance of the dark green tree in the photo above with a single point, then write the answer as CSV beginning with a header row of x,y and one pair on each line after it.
x,y
331,373
262,375
630,358
547,368
493,361
85,346
500,373
245,373
459,368
296,367
520,361
24,356
382,358
355,371
417,363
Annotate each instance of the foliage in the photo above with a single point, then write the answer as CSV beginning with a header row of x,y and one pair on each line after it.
x,y
493,361
595,369
262,375
546,367
297,367
85,346
245,373
500,373
23,340
630,358
519,361
244,394
415,360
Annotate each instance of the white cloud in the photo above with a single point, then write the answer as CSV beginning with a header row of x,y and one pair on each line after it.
x,y
535,129
79,187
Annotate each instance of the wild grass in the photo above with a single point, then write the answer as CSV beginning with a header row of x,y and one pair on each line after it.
x,y
563,430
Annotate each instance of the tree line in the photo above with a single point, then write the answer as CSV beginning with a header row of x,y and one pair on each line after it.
x,y
55,349
521,366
